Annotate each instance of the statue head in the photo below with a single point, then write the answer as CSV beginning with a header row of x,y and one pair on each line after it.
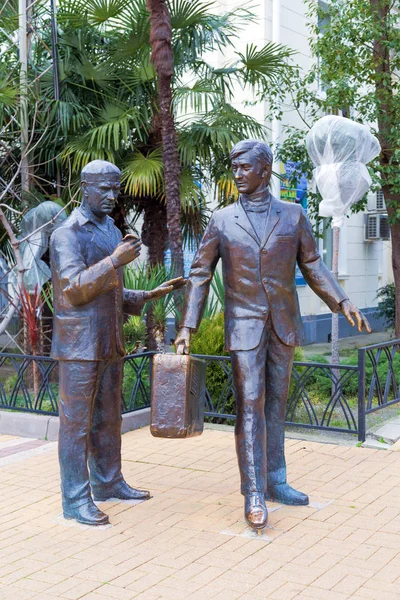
x,y
251,165
100,183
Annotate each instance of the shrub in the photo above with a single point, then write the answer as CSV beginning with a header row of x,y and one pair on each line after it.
x,y
209,338
387,304
134,333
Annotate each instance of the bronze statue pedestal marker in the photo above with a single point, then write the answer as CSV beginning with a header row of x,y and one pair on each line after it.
x,y
87,260
259,240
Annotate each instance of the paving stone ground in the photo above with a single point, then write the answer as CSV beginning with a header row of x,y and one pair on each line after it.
x,y
190,540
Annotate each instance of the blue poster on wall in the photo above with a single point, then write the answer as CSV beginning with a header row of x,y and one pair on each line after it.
x,y
188,256
294,186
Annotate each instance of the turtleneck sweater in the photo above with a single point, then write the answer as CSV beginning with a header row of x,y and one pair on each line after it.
x,y
257,211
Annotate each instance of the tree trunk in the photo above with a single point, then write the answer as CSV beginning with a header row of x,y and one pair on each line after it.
x,y
154,230
384,93
391,201
162,58
154,237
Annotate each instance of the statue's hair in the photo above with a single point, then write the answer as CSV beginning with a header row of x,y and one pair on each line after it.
x,y
261,150
98,167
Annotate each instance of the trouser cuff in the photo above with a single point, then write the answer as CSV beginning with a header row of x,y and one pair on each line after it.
x,y
75,503
106,485
276,477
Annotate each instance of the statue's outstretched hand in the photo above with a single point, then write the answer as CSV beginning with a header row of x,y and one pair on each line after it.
x,y
182,341
165,288
351,312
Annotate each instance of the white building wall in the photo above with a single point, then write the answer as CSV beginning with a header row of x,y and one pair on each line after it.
x,y
364,266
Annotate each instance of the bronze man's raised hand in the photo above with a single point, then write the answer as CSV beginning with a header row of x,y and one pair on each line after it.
x,y
165,288
126,251
352,313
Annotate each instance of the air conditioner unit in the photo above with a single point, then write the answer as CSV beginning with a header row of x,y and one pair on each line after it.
x,y
380,200
377,227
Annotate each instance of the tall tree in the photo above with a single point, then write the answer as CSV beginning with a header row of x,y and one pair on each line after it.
x,y
163,61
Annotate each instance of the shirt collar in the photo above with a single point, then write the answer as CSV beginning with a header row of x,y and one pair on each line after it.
x,y
86,216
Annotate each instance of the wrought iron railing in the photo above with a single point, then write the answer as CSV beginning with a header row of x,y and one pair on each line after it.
x,y
379,368
321,395
30,383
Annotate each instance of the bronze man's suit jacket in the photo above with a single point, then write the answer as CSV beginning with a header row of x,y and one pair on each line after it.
x,y
89,297
259,278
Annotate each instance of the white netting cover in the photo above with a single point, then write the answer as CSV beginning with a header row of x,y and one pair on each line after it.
x,y
32,250
340,150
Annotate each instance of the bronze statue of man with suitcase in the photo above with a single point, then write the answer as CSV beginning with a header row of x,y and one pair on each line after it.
x,y
87,259
259,240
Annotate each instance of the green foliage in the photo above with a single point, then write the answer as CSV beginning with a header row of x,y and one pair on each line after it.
x,y
387,304
130,381
147,278
209,338
134,334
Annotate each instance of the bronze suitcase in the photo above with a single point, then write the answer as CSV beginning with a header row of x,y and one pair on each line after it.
x,y
177,396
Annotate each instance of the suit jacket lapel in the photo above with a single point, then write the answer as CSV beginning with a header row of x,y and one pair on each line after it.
x,y
272,221
243,221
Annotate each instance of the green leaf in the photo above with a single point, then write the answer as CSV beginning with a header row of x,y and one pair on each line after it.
x,y
143,174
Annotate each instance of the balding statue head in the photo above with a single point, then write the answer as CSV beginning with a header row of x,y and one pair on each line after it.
x,y
100,182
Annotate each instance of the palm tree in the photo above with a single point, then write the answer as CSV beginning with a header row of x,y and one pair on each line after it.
x,y
163,60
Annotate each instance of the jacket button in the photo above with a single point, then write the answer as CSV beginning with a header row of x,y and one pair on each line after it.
x,y
265,280
264,251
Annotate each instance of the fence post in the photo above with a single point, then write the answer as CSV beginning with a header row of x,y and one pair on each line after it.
x,y
361,395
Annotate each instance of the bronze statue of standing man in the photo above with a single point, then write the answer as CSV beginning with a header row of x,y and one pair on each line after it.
x,y
87,260
259,240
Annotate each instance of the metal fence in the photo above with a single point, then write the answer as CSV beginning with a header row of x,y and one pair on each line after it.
x,y
30,383
321,396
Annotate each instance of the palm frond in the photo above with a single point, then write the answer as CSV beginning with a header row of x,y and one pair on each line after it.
x,y
143,174
115,128
8,94
226,189
80,152
194,205
219,130
197,28
261,65
198,97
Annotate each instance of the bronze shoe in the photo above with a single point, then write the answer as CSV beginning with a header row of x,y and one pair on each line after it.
x,y
285,494
121,491
87,514
255,511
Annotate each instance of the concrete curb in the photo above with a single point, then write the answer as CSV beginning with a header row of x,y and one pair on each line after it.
x,y
45,427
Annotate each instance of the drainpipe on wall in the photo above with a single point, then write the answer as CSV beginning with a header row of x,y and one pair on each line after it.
x,y
276,126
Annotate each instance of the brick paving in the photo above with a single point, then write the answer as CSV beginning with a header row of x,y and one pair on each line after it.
x,y
190,540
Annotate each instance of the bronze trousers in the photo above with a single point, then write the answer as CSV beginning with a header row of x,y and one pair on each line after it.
x,y
261,380
90,428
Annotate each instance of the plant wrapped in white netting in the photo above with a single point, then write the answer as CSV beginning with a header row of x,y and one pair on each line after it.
x,y
340,150
38,223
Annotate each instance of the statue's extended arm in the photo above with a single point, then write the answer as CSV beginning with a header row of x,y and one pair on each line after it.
x,y
134,300
321,280
198,286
